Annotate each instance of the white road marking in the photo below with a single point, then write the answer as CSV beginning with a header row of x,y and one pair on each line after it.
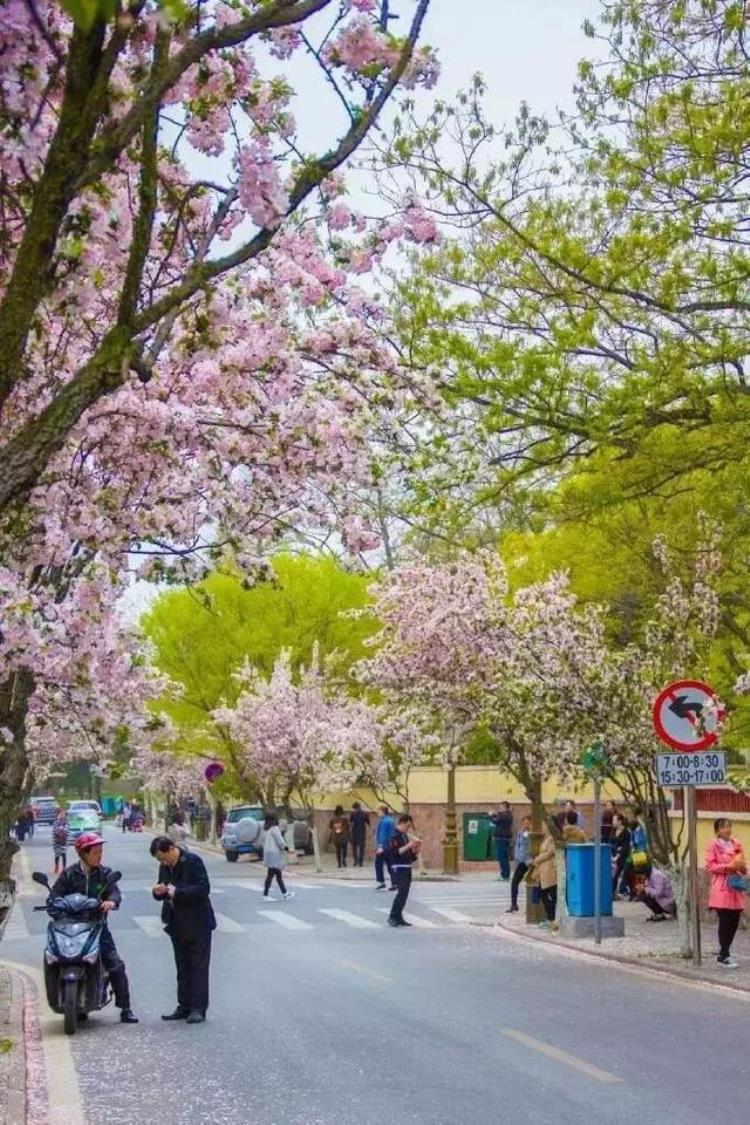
x,y
452,915
365,971
150,924
288,921
416,921
228,925
65,1106
559,1055
250,887
356,921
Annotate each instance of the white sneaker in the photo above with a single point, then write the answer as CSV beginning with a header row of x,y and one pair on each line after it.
x,y
289,894
727,963
269,898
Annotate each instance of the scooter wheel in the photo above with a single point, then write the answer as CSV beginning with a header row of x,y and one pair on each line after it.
x,y
70,1006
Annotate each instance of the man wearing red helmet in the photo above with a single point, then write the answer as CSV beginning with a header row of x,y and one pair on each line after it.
x,y
89,877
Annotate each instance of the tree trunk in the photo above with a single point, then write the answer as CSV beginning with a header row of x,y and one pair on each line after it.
x,y
15,776
681,885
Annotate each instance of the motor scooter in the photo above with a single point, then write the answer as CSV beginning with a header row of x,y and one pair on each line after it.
x,y
75,977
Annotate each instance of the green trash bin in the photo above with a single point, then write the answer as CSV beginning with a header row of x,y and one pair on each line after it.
x,y
477,836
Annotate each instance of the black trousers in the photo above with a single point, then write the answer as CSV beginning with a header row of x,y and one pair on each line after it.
x,y
402,879
729,920
115,966
274,871
192,957
358,852
518,874
549,902
341,846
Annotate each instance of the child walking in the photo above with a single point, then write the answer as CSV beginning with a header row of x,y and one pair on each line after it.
x,y
60,841
274,856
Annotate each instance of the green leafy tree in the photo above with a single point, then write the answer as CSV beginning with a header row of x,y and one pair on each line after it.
x,y
202,635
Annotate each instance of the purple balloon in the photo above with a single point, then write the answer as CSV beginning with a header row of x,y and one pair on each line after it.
x,y
213,771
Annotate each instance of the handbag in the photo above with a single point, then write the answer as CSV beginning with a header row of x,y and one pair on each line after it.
x,y
738,883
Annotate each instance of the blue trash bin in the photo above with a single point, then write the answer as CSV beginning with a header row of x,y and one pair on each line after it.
x,y
579,884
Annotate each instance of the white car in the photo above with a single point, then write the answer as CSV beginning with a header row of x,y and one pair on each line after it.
x,y
85,806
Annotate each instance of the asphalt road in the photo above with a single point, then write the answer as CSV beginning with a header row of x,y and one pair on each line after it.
x,y
320,1013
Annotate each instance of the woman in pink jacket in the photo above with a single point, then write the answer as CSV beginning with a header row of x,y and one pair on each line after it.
x,y
725,857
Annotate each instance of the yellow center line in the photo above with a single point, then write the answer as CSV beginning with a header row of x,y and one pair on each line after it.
x,y
365,971
559,1055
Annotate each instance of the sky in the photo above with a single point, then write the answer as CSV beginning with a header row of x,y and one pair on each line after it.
x,y
527,50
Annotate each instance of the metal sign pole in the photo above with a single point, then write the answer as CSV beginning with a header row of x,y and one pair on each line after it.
x,y
597,860
695,908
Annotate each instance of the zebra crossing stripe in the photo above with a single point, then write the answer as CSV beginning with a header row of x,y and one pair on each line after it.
x,y
151,925
228,925
451,915
356,921
288,921
416,921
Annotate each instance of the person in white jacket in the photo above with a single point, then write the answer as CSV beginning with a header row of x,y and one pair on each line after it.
x,y
274,856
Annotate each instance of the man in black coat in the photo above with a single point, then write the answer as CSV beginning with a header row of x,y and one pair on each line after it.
x,y
359,822
184,891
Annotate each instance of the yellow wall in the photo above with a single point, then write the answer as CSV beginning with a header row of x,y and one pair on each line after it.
x,y
481,785
484,786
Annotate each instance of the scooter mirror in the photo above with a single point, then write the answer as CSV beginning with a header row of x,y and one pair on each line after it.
x,y
40,877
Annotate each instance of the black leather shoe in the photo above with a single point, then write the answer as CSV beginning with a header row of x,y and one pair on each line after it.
x,y
177,1014
393,922
196,1017
126,1016
403,923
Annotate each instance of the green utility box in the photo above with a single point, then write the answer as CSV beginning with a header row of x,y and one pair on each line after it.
x,y
477,836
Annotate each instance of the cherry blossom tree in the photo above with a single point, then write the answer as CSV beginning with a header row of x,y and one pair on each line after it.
x,y
458,645
187,365
287,736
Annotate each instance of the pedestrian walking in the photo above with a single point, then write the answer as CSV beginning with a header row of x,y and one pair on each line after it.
x,y
126,816
274,856
359,822
404,850
339,834
523,855
570,807
184,891
177,830
725,860
620,849
502,830
30,821
21,826
383,834
607,816
654,889
60,835
544,868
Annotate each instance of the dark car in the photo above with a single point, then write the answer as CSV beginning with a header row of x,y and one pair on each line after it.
x,y
45,809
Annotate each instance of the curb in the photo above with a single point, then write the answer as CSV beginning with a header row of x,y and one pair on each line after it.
x,y
629,963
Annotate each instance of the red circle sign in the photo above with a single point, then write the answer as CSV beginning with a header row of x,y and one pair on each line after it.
x,y
679,719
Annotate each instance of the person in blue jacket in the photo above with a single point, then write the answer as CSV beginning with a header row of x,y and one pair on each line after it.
x,y
384,833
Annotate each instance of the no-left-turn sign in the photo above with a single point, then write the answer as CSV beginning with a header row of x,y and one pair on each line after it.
x,y
687,715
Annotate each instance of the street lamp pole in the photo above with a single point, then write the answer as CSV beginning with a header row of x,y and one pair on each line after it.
x,y
450,841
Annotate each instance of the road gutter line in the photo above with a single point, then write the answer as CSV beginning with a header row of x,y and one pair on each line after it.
x,y
559,1055
65,1106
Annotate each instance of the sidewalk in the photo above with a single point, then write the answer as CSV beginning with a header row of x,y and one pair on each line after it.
x,y
305,866
652,945
12,1049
